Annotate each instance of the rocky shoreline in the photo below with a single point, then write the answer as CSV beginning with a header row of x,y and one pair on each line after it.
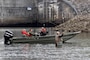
x,y
78,23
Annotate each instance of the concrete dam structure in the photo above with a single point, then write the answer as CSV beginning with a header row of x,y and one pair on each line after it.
x,y
33,12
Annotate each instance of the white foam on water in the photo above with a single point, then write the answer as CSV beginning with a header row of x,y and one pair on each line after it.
x,y
2,41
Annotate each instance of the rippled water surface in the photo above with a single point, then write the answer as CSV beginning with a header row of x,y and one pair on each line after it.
x,y
77,48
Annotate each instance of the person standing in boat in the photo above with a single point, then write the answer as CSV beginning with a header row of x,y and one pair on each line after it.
x,y
43,31
58,38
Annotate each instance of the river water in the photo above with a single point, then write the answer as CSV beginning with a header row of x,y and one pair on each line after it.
x,y
77,48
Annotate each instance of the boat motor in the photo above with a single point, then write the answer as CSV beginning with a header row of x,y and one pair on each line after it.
x,y
7,36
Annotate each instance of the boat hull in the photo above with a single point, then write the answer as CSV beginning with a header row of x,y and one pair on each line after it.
x,y
42,39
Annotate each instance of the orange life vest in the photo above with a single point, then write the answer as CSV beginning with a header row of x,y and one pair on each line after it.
x,y
25,33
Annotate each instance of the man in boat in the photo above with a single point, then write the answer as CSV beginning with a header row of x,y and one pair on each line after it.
x,y
43,31
25,33
31,32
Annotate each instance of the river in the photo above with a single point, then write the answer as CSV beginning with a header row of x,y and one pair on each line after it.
x,y
77,48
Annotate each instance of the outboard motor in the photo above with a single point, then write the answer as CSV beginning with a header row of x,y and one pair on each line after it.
x,y
7,35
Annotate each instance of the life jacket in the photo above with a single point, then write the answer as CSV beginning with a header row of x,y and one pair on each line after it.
x,y
25,33
29,34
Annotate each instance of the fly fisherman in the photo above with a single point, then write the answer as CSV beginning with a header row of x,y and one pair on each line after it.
x,y
58,38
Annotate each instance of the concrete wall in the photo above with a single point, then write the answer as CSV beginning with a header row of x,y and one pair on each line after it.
x,y
15,10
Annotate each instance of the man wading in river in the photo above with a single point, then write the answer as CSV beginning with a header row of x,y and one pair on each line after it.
x,y
58,38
